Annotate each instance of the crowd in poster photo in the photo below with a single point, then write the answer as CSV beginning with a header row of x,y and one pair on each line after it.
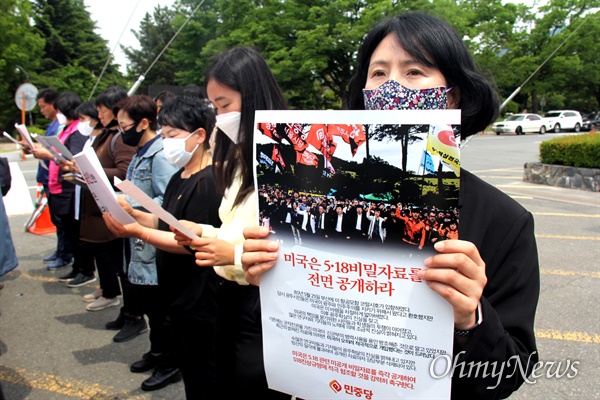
x,y
305,217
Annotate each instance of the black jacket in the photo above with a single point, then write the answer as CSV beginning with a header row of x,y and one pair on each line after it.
x,y
503,231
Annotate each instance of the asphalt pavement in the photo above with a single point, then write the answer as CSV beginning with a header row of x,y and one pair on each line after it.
x,y
51,348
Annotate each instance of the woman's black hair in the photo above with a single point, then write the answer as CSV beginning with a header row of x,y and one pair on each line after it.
x,y
244,70
138,107
88,108
67,103
109,97
193,90
433,43
164,96
188,113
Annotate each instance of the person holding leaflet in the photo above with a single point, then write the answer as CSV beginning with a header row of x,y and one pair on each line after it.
x,y
490,275
182,309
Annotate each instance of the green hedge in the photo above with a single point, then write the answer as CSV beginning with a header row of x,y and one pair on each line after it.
x,y
582,151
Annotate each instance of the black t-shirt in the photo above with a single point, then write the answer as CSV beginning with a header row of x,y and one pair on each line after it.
x,y
183,283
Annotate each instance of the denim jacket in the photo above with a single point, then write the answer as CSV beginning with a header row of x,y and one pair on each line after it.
x,y
151,173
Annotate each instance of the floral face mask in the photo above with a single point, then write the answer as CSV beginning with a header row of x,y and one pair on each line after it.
x,y
393,96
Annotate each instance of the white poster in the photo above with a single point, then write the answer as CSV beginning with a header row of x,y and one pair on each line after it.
x,y
99,185
356,199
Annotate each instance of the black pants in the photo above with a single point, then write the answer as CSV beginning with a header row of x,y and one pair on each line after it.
x,y
83,261
240,362
149,300
132,304
60,206
109,262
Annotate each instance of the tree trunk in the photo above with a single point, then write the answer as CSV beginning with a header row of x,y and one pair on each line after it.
x,y
534,102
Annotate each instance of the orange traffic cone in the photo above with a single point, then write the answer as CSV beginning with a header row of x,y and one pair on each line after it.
x,y
43,224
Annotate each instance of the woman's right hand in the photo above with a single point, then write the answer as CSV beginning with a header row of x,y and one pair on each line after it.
x,y
259,254
42,154
124,204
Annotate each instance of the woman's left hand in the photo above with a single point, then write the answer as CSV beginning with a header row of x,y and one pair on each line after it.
x,y
212,251
458,275
125,231
181,238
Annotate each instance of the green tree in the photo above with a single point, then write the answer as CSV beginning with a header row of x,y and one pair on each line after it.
x,y
311,45
19,47
190,50
567,79
154,34
74,54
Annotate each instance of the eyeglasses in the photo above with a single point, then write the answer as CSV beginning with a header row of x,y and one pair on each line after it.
x,y
122,129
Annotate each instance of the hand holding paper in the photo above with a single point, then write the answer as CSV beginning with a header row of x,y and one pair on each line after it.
x,y
46,145
59,146
183,239
133,230
100,187
212,251
146,201
259,255
12,139
25,134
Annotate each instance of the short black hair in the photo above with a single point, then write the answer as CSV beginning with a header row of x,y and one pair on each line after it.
x,y
164,96
435,44
109,97
188,113
194,90
139,107
67,104
88,108
49,95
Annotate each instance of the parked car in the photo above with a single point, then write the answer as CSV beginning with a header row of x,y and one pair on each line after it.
x,y
591,121
563,120
519,124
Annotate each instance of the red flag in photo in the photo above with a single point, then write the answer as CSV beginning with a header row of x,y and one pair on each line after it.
x,y
307,158
353,134
277,156
317,136
321,138
294,134
270,130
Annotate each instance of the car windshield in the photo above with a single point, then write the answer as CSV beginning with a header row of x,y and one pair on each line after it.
x,y
552,114
515,118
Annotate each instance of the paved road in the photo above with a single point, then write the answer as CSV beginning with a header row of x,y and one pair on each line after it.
x,y
52,348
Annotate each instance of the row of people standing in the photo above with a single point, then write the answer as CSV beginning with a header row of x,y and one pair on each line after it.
x,y
94,124
214,334
194,313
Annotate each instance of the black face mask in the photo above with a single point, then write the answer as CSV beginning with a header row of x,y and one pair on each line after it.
x,y
131,137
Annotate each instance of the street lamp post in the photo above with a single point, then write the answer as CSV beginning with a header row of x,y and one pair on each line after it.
x,y
19,68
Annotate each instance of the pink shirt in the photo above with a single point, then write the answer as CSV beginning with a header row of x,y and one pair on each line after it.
x,y
54,169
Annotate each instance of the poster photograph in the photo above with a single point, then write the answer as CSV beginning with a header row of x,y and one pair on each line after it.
x,y
356,200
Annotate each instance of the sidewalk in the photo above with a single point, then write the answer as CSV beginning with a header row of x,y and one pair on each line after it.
x,y
554,193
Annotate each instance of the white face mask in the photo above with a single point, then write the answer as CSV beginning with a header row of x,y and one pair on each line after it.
x,y
61,118
229,123
84,128
175,151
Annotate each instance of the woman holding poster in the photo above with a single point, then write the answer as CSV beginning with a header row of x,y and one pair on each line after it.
x,y
490,276
238,83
